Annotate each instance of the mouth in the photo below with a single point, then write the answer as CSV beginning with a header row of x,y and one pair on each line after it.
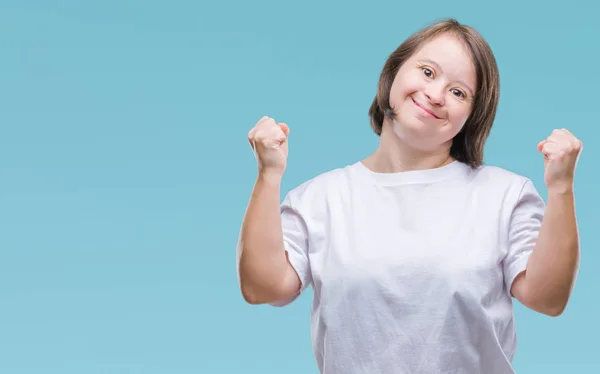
x,y
425,109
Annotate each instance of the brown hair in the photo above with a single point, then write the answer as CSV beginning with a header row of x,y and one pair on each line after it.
x,y
468,144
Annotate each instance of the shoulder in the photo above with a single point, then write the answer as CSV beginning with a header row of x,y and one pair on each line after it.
x,y
494,176
321,185
312,199
513,186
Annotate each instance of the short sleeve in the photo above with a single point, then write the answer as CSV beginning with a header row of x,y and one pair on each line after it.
x,y
295,240
524,227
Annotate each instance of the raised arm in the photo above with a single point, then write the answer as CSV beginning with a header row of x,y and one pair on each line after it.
x,y
264,271
547,283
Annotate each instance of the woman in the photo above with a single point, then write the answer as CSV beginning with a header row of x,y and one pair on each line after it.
x,y
415,253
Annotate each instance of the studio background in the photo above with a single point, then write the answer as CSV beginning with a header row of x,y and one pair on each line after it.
x,y
125,168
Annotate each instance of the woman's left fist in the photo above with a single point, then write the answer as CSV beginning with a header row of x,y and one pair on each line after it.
x,y
561,152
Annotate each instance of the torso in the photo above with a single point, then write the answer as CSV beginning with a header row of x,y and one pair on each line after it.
x,y
407,269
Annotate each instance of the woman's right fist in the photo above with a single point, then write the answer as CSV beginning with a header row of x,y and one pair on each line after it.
x,y
268,140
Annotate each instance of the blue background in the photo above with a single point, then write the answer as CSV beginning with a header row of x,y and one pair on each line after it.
x,y
125,168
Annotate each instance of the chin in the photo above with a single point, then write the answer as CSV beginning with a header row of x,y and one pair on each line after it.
x,y
415,125
416,133
411,130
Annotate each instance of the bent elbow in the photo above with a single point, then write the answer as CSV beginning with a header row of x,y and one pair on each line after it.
x,y
555,310
249,294
275,297
250,297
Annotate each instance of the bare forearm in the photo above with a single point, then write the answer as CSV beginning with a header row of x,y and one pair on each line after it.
x,y
261,256
553,265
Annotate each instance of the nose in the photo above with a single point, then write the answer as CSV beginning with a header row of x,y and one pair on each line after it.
x,y
435,93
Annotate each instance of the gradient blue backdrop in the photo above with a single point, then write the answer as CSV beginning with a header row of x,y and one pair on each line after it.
x,y
125,169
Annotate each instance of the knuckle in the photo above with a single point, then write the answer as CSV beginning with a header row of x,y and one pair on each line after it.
x,y
259,136
260,139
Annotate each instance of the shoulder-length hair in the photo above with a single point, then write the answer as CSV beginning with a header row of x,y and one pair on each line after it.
x,y
468,144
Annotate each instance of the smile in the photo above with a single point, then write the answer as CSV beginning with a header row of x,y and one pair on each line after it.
x,y
425,109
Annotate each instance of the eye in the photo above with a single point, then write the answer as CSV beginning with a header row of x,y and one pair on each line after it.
x,y
428,72
458,93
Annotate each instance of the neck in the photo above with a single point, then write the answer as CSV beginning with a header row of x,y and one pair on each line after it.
x,y
393,156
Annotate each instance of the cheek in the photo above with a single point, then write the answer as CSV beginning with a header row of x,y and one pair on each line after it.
x,y
459,114
400,91
410,85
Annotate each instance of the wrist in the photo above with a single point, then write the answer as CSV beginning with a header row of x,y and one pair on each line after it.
x,y
270,177
561,190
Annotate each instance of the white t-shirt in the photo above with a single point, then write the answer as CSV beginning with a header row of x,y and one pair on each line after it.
x,y
411,271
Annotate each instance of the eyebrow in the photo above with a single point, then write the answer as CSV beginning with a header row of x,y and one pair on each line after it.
x,y
438,67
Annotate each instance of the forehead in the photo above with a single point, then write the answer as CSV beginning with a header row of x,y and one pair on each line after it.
x,y
451,54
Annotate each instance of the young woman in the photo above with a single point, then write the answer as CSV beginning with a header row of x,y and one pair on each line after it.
x,y
415,253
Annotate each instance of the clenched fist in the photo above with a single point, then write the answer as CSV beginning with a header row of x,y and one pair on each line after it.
x,y
268,140
561,152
